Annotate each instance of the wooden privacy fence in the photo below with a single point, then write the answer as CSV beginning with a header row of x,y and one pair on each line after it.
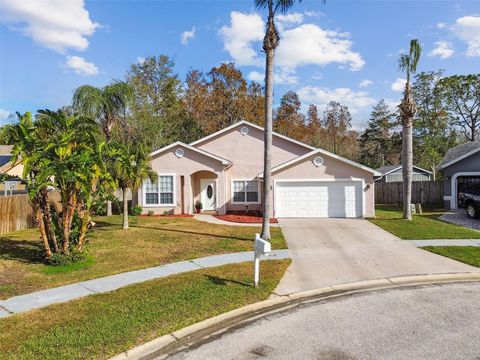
x,y
17,214
423,192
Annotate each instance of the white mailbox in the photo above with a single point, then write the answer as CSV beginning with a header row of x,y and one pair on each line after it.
x,y
262,248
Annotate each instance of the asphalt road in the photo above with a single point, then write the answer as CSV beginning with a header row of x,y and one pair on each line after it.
x,y
428,322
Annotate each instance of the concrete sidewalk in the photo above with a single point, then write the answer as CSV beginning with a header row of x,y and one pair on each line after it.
x,y
21,303
445,242
213,220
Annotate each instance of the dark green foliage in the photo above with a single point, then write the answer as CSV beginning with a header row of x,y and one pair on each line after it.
x,y
379,143
136,210
58,259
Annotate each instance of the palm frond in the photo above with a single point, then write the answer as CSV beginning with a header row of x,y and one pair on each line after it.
x,y
415,53
278,6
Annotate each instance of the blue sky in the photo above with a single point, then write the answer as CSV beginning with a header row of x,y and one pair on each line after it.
x,y
344,50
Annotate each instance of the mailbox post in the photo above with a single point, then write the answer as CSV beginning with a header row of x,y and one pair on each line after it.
x,y
262,248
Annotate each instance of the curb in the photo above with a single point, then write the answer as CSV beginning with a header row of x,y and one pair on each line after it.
x,y
199,333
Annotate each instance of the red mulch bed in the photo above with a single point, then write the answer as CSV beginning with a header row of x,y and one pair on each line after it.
x,y
241,217
169,215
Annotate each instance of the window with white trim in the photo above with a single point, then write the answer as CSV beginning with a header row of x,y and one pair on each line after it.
x,y
245,191
160,192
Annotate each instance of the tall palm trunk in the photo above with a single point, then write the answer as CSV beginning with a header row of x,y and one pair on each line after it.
x,y
270,43
407,111
39,218
48,221
125,208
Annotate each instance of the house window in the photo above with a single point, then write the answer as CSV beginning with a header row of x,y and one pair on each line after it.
x,y
160,192
245,191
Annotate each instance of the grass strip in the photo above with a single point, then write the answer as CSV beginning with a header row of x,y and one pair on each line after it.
x,y
102,325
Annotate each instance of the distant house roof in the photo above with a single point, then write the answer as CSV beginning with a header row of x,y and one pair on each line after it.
x,y
391,168
5,154
458,153
6,150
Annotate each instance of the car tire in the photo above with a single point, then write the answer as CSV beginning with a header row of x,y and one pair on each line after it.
x,y
472,211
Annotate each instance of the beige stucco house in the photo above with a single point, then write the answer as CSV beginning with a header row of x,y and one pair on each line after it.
x,y
13,169
224,172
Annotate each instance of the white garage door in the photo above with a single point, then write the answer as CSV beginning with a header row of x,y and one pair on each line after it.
x,y
318,199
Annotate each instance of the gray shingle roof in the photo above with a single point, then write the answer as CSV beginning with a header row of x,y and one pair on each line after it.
x,y
386,169
458,151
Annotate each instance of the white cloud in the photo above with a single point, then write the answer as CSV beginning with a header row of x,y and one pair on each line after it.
x,y
467,28
392,104
443,49
80,66
187,36
321,96
244,30
441,26
288,20
256,76
365,83
398,85
4,114
313,13
306,44
281,78
55,24
285,78
140,60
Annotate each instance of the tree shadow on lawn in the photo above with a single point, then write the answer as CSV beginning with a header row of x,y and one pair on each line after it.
x,y
221,281
195,233
21,250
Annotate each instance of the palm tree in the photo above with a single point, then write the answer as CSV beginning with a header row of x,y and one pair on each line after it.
x,y
106,104
131,165
408,64
270,43
29,145
75,166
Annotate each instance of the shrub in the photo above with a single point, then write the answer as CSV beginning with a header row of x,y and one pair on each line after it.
x,y
58,259
136,210
151,212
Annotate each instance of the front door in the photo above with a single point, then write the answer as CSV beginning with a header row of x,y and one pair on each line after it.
x,y
208,194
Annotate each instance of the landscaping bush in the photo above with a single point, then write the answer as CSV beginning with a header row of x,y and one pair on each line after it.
x,y
136,210
58,259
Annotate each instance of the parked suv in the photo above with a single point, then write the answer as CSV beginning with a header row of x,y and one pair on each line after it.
x,y
469,198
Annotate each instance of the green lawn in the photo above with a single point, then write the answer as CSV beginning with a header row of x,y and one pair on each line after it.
x,y
422,227
466,254
100,326
150,241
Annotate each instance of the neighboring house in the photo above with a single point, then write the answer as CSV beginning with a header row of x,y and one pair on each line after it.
x,y
461,165
14,170
394,173
223,171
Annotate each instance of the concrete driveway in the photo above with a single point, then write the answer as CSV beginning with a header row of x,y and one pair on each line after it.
x,y
336,251
459,217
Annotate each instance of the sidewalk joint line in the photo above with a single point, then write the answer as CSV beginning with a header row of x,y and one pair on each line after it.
x,y
4,308
194,263
85,287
